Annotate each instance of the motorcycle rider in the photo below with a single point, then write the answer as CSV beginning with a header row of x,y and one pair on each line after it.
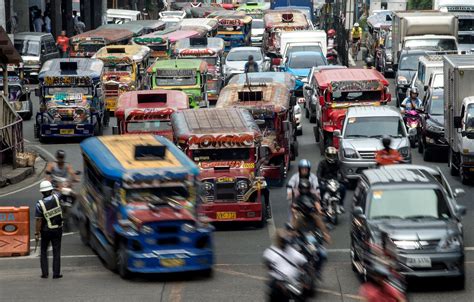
x,y
411,102
283,263
330,168
387,155
304,172
331,38
377,289
60,168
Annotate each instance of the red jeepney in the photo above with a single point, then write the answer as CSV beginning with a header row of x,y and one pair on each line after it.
x,y
149,111
337,89
224,143
271,106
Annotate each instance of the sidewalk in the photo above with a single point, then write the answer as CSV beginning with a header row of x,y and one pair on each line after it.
x,y
12,177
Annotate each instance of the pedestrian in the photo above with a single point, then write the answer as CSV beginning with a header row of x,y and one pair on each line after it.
x,y
49,227
47,23
251,65
62,42
80,26
38,23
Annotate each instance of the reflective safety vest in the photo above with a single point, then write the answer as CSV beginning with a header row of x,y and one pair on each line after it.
x,y
51,211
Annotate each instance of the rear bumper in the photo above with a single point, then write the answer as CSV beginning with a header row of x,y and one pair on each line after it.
x,y
243,211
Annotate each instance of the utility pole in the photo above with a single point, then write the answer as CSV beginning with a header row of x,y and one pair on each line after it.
x,y
104,11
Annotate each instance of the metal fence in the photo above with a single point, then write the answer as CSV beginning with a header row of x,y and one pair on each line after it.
x,y
11,133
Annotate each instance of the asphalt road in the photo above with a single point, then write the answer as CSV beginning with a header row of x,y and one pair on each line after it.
x,y
239,274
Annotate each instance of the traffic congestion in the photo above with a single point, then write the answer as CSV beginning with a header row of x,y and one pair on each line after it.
x,y
244,151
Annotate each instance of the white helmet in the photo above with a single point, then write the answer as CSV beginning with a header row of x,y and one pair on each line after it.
x,y
356,24
46,186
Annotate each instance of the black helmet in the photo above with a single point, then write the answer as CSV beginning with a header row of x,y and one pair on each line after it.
x,y
414,90
331,154
386,141
304,163
61,154
304,185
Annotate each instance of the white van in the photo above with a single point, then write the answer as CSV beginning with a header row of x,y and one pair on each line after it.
x,y
303,38
427,65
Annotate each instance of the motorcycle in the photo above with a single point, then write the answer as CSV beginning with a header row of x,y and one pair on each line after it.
x,y
413,124
331,200
62,185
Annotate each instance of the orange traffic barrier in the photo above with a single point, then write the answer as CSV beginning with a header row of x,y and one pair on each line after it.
x,y
14,231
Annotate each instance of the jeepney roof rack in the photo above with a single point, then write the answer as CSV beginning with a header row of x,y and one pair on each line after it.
x,y
116,50
145,98
198,41
147,152
68,67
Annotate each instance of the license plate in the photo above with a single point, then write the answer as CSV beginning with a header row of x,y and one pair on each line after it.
x,y
173,262
226,215
66,131
226,43
419,261
110,104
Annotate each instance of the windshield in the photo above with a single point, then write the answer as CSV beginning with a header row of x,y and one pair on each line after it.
x,y
27,48
175,81
350,96
87,47
431,44
203,155
374,127
257,24
470,119
466,39
243,55
408,203
466,24
209,60
437,103
305,61
116,68
409,62
148,126
153,195
68,90
295,48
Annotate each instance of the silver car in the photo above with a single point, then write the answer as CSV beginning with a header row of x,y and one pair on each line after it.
x,y
238,56
361,136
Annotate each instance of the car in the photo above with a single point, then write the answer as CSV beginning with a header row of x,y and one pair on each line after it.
x,y
432,140
19,94
412,213
257,31
406,69
299,64
383,58
298,115
363,128
238,56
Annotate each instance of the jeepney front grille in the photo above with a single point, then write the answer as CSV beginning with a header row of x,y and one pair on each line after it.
x,y
367,154
167,229
225,192
111,89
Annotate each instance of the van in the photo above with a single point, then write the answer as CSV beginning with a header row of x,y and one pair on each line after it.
x,y
35,49
427,65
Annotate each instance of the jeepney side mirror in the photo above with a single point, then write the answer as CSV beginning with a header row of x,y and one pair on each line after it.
x,y
292,101
260,122
115,130
263,152
358,213
37,92
457,122
307,87
426,87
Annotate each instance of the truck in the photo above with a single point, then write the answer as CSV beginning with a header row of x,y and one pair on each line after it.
x,y
424,30
459,114
304,5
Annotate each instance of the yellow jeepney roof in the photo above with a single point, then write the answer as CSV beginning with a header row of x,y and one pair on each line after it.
x,y
120,52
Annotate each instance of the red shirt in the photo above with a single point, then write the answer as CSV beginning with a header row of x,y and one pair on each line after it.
x,y
63,42
384,157
380,294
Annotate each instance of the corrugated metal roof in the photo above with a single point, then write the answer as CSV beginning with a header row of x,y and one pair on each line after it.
x,y
372,111
326,76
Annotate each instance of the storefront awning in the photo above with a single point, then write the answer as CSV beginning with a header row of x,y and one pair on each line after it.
x,y
8,53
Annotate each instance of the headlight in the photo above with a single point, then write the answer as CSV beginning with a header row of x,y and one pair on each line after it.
x,y
242,186
434,128
188,228
146,230
208,186
401,80
405,151
350,153
80,111
53,111
452,242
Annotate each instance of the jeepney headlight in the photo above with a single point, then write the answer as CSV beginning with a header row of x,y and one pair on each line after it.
x,y
242,186
53,111
208,186
80,111
146,230
188,228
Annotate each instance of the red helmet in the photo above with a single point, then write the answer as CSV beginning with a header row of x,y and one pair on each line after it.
x,y
331,33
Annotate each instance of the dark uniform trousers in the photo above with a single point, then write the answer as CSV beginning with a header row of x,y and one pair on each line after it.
x,y
54,237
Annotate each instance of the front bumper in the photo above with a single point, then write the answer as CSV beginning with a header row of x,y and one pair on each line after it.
x,y
65,130
232,211
442,265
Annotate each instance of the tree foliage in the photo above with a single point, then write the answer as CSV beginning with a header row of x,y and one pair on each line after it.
x,y
420,4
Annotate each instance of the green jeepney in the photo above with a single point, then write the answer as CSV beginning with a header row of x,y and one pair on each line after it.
x,y
254,9
186,75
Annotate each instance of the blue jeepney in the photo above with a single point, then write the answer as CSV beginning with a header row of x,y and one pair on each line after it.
x,y
234,27
138,209
71,101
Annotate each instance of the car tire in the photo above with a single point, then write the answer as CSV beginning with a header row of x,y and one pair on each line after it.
x,y
84,232
452,169
312,118
427,156
317,136
299,132
122,262
460,282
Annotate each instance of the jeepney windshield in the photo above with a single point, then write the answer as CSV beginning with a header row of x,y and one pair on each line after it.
x,y
243,55
356,96
236,29
148,126
68,90
175,81
470,118
118,67
27,48
157,195
205,155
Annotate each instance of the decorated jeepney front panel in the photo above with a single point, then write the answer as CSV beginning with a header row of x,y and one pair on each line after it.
x,y
277,22
148,120
235,30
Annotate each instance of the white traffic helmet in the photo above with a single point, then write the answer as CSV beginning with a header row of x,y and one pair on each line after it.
x,y
46,186
356,24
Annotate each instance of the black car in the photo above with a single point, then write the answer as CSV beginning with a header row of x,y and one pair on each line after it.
x,y
406,68
383,56
413,210
432,125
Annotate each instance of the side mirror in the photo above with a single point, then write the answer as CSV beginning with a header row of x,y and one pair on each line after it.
x,y
99,92
458,192
307,87
337,133
358,212
37,92
267,59
260,122
115,130
263,152
426,87
457,122
78,173
460,210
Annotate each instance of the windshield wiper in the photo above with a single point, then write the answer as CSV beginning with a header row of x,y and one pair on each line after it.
x,y
414,217
356,135
376,136
386,217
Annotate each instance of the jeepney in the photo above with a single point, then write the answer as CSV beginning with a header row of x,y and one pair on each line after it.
x,y
186,75
135,28
338,89
71,102
119,16
85,45
234,27
270,106
138,206
162,42
124,69
209,25
149,26
276,22
210,50
18,92
224,143
148,111
254,9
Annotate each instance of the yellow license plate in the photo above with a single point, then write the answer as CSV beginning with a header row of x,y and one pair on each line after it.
x,y
111,104
225,179
66,131
174,262
226,215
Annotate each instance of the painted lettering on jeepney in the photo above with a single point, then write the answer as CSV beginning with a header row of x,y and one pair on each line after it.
x,y
67,81
140,114
221,141
197,52
232,164
230,22
370,85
